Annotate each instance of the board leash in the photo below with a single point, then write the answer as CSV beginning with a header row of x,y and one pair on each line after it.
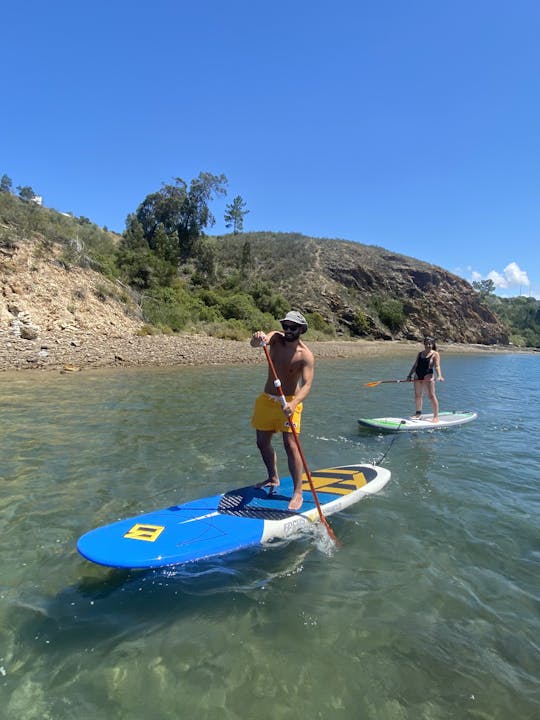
x,y
392,441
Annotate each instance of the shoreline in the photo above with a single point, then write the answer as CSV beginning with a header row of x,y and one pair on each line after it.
x,y
69,355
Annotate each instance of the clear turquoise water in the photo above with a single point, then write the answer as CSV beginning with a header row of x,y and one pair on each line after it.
x,y
431,609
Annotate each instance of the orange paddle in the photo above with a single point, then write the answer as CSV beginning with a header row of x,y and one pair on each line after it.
x,y
378,382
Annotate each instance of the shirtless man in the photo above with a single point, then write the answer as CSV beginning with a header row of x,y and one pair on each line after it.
x,y
294,365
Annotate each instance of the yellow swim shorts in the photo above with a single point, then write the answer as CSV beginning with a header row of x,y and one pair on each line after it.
x,y
268,414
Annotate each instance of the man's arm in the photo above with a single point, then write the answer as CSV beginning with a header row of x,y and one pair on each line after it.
x,y
307,380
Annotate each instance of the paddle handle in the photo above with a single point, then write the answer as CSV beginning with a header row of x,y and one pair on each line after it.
x,y
277,382
283,400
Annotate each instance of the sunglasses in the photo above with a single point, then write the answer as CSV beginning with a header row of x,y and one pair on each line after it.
x,y
292,328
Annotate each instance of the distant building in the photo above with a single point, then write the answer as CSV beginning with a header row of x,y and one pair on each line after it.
x,y
38,199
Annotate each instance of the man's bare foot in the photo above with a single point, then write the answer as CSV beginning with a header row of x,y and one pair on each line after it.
x,y
435,420
270,484
296,501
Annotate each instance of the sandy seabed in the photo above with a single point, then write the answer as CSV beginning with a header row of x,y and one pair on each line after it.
x,y
63,354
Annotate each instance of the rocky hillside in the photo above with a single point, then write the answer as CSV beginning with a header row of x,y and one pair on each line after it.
x,y
49,304
434,301
347,282
42,300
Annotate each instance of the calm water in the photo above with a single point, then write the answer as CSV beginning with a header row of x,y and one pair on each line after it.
x,y
431,609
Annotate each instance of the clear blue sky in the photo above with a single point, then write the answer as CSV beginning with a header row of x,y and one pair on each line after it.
x,y
413,125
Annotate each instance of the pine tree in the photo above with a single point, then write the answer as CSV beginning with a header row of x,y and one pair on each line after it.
x,y
234,215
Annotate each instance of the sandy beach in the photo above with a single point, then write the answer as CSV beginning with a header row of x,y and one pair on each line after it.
x,y
64,354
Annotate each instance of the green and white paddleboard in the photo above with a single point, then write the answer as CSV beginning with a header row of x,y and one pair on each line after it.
x,y
424,422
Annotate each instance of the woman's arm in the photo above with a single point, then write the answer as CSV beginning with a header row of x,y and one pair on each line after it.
x,y
437,365
412,370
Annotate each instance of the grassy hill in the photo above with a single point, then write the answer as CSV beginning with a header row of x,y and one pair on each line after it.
x,y
232,284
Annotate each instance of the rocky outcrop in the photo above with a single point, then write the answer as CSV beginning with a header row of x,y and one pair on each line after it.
x,y
48,309
346,279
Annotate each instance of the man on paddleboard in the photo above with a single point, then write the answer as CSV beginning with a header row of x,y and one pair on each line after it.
x,y
294,365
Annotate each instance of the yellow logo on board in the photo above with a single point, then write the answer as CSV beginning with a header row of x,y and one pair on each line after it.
x,y
150,533
338,482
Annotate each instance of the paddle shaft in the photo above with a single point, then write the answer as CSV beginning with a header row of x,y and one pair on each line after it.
x,y
283,399
379,382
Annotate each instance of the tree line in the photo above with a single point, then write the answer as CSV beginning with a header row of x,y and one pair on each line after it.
x,y
521,314
184,279
164,256
185,202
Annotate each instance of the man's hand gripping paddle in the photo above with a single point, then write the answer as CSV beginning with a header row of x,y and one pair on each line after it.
x,y
277,384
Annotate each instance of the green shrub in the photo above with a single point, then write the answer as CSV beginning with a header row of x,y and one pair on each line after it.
x,y
165,329
210,297
209,314
237,307
229,330
317,323
163,309
360,325
146,330
105,264
144,270
391,314
268,300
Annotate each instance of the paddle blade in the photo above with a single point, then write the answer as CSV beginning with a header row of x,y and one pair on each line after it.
x,y
378,382
332,535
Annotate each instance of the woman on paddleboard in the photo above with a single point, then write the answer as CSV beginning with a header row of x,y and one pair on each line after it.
x,y
427,363
294,364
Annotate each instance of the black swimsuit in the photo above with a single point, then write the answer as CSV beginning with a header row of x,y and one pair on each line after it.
x,y
423,366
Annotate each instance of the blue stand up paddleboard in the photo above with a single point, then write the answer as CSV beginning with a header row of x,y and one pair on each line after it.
x,y
223,523
424,422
